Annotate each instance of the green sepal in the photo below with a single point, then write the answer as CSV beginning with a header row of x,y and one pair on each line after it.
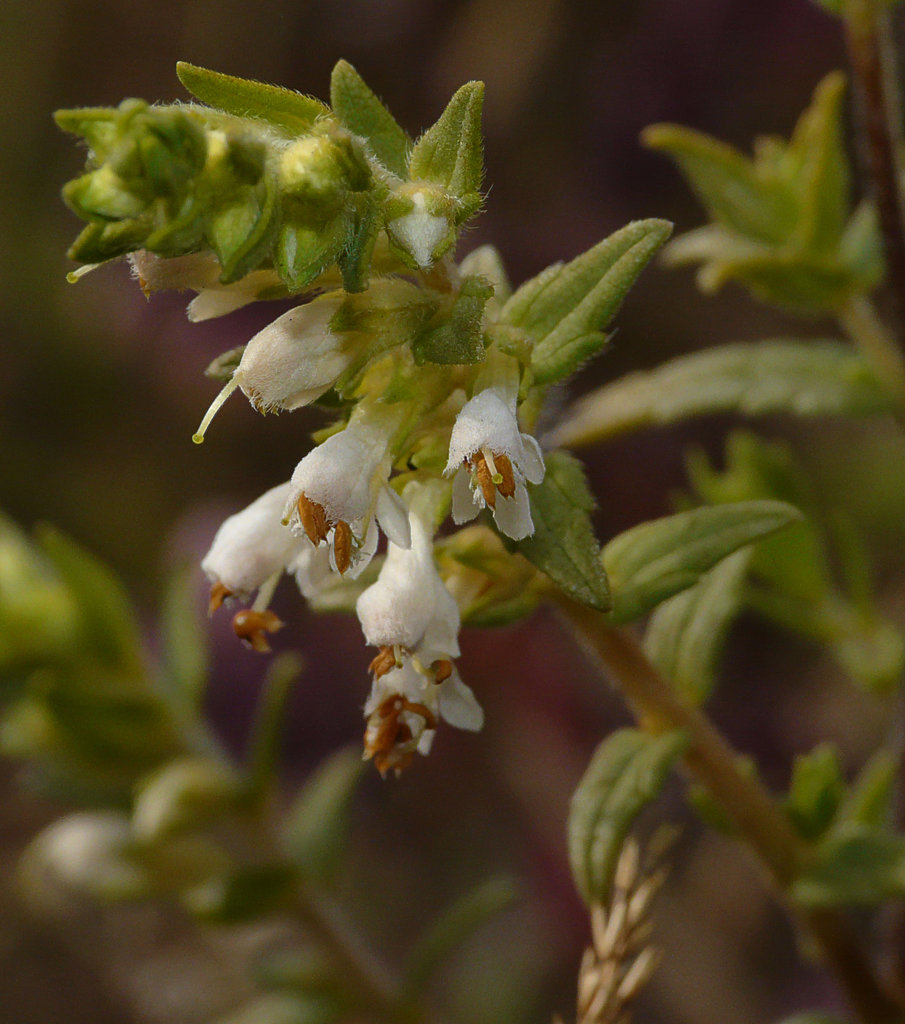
x,y
450,153
359,110
563,545
685,634
96,125
97,242
316,827
303,251
459,337
566,308
107,624
627,771
291,112
358,249
650,562
805,378
815,791
242,233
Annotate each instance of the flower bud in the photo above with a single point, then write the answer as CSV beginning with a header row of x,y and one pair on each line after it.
x,y
419,223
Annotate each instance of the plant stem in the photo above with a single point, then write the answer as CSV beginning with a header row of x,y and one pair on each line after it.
x,y
871,54
713,762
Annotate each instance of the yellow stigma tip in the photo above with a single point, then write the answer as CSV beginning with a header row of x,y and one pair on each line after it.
x,y
198,438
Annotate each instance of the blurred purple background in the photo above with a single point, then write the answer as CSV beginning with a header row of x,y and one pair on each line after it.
x,y
100,392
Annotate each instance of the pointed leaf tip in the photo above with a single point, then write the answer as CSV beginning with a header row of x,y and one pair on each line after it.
x,y
289,111
451,152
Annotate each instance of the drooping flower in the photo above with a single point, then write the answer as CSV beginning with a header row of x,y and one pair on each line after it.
x,y
491,459
292,361
340,488
250,552
410,616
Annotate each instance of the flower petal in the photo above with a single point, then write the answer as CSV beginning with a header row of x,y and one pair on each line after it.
x,y
513,515
459,706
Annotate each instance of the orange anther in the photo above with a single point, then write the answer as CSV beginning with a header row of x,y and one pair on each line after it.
x,y
383,662
442,671
342,546
485,479
219,593
506,487
313,519
251,627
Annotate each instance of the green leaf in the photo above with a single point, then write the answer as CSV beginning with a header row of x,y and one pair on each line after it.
x,y
823,178
185,795
856,866
563,544
655,560
685,634
869,800
284,1009
566,307
184,640
748,199
266,733
359,110
289,111
317,825
459,337
107,620
454,927
816,791
627,771
450,153
805,378
246,894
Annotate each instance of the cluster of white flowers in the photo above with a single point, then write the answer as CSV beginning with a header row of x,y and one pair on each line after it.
x,y
325,521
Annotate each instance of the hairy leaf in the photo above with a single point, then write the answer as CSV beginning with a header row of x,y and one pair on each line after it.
x,y
289,111
565,309
627,771
361,112
451,152
459,337
806,378
563,544
685,635
649,563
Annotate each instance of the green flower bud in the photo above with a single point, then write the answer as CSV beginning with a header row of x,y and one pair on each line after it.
x,y
420,222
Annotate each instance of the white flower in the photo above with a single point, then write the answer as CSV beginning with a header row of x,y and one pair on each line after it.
x,y
414,621
340,487
491,460
251,547
292,361
250,552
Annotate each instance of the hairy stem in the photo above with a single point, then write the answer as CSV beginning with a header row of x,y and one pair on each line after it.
x,y
872,57
743,799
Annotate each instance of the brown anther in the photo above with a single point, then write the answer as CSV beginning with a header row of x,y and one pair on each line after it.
x,y
313,519
251,628
219,593
342,546
382,662
442,671
485,479
383,740
506,486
